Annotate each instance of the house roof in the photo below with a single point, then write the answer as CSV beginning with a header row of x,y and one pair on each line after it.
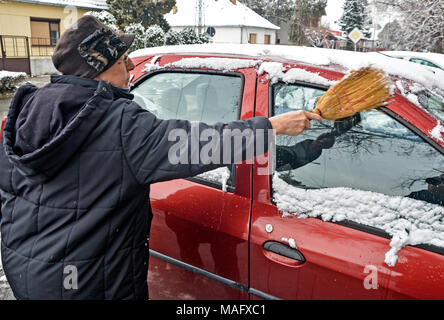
x,y
217,13
87,4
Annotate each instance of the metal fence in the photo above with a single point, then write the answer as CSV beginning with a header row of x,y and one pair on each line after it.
x,y
14,47
14,55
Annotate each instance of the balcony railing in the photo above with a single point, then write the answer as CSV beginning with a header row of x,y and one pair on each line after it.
x,y
41,47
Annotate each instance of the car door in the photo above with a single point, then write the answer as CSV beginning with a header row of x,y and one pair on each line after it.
x,y
199,232
322,223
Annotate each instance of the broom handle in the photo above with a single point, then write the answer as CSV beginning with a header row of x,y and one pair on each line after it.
x,y
317,111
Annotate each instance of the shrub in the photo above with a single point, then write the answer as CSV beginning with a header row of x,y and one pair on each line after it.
x,y
9,80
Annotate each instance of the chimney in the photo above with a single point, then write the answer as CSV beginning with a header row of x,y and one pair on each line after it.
x,y
233,2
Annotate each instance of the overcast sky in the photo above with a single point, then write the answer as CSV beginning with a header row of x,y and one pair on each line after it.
x,y
334,12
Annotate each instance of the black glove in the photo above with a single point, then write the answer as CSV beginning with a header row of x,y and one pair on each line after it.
x,y
342,126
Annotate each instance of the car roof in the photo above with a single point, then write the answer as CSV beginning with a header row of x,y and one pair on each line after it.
x,y
336,60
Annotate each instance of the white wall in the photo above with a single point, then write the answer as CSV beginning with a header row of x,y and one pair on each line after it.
x,y
239,34
42,66
260,35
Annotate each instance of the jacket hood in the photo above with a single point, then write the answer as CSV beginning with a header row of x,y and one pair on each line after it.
x,y
46,127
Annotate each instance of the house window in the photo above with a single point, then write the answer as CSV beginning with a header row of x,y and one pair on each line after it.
x,y
44,32
267,39
253,37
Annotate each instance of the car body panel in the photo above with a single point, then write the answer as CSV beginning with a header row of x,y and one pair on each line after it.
x,y
211,235
339,258
209,244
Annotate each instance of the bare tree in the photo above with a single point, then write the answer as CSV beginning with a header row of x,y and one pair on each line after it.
x,y
422,24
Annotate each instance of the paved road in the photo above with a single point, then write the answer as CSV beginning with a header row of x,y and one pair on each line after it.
x,y
5,290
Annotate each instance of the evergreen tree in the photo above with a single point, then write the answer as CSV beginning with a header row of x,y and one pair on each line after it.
x,y
145,12
355,16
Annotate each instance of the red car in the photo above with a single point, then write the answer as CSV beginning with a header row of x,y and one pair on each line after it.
x,y
356,211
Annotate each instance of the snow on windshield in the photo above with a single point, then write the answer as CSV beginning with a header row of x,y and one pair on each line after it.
x,y
407,221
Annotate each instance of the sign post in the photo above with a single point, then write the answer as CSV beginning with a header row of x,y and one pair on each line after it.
x,y
356,35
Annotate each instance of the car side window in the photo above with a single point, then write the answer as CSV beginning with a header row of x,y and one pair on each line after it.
x,y
204,97
370,151
424,62
209,98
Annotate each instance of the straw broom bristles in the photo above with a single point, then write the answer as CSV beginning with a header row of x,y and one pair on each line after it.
x,y
363,89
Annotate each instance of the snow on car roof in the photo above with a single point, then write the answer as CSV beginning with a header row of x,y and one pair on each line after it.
x,y
435,58
313,56
217,13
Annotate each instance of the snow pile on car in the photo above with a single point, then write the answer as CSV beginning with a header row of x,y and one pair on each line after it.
x,y
223,64
275,72
219,176
407,221
437,132
314,56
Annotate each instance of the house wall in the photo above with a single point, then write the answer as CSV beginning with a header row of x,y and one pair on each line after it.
x,y
260,35
15,20
15,17
239,34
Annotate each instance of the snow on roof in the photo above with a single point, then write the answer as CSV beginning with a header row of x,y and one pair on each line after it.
x,y
89,4
349,60
217,13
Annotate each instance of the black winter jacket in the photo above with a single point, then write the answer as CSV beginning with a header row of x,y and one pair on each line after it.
x,y
77,160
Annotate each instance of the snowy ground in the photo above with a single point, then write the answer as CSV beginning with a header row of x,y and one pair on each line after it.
x,y
5,290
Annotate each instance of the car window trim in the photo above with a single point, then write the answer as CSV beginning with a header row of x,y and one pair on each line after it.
x,y
390,113
230,188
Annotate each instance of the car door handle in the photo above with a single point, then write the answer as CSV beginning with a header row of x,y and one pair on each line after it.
x,y
283,254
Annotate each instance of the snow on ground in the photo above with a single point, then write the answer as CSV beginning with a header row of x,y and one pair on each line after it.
x,y
5,290
408,221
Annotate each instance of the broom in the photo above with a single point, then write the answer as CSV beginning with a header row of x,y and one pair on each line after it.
x,y
363,89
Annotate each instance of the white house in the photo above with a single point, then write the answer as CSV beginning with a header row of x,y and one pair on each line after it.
x,y
231,21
